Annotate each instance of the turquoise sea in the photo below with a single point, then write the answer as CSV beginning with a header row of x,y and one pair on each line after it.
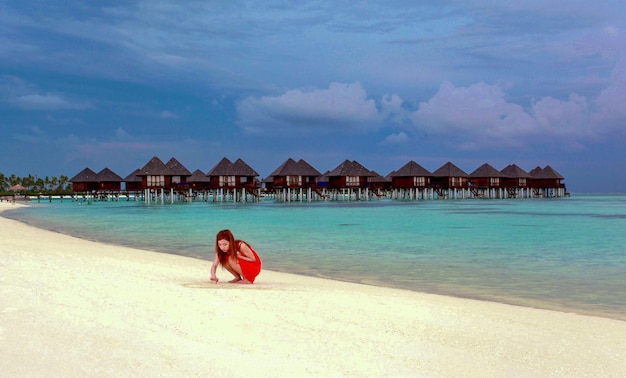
x,y
566,254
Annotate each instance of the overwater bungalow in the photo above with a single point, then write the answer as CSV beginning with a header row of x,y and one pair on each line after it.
x,y
158,181
181,173
199,181
109,183
546,182
294,181
234,181
379,185
102,185
133,182
515,181
85,181
199,184
299,181
450,181
349,180
486,182
411,181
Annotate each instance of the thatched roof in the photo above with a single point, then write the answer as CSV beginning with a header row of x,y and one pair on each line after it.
x,y
552,173
107,175
198,176
288,168
241,168
291,168
307,169
177,168
411,169
449,170
133,177
513,171
486,170
379,178
547,173
156,167
86,175
350,168
227,168
222,168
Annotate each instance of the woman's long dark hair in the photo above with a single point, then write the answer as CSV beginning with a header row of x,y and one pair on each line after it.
x,y
232,245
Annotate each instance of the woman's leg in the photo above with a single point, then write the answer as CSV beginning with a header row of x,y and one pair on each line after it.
x,y
235,272
235,269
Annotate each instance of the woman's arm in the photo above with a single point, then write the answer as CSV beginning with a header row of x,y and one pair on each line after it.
x,y
216,262
245,253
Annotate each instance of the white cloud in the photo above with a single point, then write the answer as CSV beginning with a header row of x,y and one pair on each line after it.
x,y
339,106
121,134
480,116
28,96
470,112
610,102
568,119
399,138
47,102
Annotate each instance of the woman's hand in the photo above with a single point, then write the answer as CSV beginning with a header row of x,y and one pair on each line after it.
x,y
214,279
241,256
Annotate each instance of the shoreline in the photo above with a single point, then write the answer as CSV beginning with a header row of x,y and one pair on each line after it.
x,y
593,302
69,306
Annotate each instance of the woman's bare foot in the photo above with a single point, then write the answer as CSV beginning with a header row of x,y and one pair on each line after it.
x,y
235,280
243,281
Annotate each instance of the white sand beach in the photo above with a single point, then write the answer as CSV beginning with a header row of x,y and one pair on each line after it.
x,y
72,307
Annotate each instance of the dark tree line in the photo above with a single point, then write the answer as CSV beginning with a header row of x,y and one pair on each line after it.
x,y
35,185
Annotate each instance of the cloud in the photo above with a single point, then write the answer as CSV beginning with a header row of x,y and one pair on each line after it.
x,y
468,113
340,106
480,116
474,117
47,101
399,138
610,102
28,96
392,108
121,134
565,119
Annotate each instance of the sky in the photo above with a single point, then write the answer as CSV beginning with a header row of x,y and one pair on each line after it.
x,y
110,84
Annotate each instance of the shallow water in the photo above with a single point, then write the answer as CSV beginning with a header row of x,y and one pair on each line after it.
x,y
565,254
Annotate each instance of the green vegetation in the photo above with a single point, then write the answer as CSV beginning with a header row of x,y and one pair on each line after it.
x,y
35,185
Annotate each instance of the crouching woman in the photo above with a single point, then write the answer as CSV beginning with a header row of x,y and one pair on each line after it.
x,y
237,257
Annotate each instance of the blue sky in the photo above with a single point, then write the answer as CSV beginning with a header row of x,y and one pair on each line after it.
x,y
111,84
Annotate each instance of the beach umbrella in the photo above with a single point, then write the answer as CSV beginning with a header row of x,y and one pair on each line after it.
x,y
17,188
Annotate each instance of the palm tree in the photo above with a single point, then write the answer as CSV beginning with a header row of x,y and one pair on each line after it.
x,y
63,180
28,182
14,179
55,182
39,185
